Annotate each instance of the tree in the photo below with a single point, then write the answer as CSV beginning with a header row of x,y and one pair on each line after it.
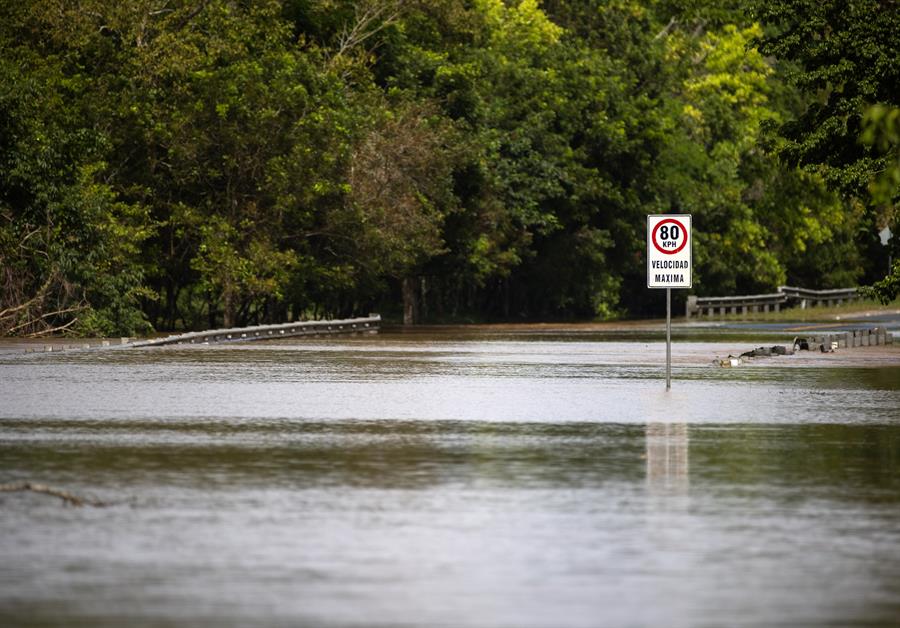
x,y
242,136
842,56
882,131
68,244
724,102
401,190
219,162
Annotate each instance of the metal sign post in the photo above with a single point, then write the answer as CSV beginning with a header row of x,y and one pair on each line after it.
x,y
668,338
669,264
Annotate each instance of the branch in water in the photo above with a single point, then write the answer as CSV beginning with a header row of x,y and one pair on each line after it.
x,y
67,497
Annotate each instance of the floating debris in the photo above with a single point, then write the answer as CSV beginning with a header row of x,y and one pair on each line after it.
x,y
826,343
765,352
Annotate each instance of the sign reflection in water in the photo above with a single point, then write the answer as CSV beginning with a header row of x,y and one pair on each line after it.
x,y
668,457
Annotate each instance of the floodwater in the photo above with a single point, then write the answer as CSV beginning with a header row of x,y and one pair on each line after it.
x,y
452,479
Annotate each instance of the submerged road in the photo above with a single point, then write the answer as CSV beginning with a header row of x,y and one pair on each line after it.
x,y
452,477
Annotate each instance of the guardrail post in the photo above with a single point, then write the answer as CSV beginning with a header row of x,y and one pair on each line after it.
x,y
690,306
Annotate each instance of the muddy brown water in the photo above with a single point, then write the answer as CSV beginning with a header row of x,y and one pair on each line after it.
x,y
452,479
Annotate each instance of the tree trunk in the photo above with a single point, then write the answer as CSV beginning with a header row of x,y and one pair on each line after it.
x,y
171,304
211,310
228,307
423,300
410,287
506,298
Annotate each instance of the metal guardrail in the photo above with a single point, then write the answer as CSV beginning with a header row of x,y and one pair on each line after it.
x,y
350,326
787,296
369,324
816,297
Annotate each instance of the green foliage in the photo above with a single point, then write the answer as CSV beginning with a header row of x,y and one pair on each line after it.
x,y
69,247
881,130
843,57
888,288
223,162
714,159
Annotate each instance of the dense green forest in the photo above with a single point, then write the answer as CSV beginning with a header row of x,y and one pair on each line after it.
x,y
169,164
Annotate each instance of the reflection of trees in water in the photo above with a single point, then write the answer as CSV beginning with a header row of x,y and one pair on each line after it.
x,y
859,378
667,457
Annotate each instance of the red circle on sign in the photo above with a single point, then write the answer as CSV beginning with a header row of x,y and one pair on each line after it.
x,y
660,224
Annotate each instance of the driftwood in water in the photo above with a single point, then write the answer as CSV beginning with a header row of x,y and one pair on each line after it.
x,y
69,498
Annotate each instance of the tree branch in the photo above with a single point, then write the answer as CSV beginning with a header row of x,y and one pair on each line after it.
x,y
67,497
41,293
190,16
370,19
47,315
53,330
668,29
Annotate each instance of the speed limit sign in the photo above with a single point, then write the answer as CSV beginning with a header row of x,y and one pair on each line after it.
x,y
669,251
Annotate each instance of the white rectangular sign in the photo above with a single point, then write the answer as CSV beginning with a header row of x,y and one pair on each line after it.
x,y
669,259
